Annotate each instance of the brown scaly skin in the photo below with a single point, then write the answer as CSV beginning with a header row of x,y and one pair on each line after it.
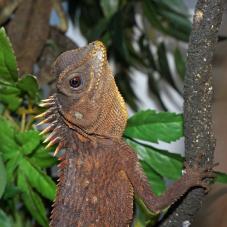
x,y
100,173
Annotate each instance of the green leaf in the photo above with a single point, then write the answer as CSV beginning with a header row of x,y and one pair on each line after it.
x,y
164,163
109,7
156,181
167,20
140,219
152,126
28,140
177,5
180,63
9,147
144,217
9,89
3,180
2,108
123,81
5,221
38,179
12,101
9,95
21,219
175,21
221,177
98,29
32,201
154,88
8,65
164,68
42,158
6,130
29,85
12,164
11,191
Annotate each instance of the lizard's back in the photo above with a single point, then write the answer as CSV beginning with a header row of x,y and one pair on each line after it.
x,y
94,190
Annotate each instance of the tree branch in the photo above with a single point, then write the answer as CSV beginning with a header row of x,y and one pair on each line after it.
x,y
198,93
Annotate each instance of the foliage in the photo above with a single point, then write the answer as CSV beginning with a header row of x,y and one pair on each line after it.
x,y
152,126
27,186
24,161
135,33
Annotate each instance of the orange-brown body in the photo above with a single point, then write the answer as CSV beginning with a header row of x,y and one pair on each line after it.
x,y
94,189
100,173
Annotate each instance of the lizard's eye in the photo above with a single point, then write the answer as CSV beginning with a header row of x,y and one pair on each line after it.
x,y
75,82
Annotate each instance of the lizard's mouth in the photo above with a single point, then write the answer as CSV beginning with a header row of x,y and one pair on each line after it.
x,y
54,123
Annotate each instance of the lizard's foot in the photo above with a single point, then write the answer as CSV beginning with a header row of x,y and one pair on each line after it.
x,y
198,176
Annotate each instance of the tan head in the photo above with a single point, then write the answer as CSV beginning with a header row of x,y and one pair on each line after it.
x,y
87,97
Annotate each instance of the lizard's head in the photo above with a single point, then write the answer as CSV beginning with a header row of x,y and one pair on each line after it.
x,y
87,98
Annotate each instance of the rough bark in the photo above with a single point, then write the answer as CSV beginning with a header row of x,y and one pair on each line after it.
x,y
198,93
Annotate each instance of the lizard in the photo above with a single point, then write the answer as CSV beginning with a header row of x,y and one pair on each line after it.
x,y
99,173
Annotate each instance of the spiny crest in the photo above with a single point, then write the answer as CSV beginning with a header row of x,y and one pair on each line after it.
x,y
55,126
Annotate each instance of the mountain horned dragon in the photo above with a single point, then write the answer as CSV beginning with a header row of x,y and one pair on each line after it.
x,y
99,172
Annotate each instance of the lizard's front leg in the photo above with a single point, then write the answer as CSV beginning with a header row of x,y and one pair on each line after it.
x,y
193,176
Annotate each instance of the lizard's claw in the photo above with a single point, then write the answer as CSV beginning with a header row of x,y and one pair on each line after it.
x,y
198,176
